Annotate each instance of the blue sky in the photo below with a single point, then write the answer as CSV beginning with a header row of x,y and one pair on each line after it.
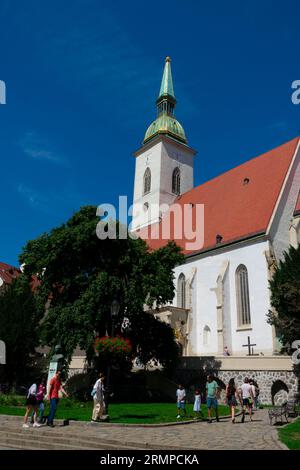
x,y
82,77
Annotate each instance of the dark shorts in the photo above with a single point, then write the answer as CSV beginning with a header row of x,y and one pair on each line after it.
x,y
247,402
31,401
231,401
211,402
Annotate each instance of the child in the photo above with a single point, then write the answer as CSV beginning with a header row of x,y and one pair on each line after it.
x,y
41,392
197,404
181,395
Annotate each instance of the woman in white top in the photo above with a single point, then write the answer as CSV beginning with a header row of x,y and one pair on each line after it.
x,y
31,404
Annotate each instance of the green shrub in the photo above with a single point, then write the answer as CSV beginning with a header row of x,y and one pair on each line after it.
x,y
79,387
11,400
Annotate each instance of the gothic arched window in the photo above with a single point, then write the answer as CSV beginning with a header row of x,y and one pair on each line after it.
x,y
181,291
242,293
176,181
206,335
147,181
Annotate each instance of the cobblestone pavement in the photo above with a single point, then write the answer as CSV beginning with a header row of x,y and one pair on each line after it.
x,y
224,435
257,434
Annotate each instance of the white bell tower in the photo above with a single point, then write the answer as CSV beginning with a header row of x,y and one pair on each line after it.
x,y
164,166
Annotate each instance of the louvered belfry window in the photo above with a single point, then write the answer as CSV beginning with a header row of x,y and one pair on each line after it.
x,y
243,301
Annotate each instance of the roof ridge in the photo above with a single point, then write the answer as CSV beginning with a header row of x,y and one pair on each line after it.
x,y
296,139
6,266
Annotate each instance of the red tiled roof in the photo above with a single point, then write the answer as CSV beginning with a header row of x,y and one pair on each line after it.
x,y
297,208
8,273
237,204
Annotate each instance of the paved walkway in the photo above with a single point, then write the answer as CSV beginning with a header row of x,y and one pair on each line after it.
x,y
257,434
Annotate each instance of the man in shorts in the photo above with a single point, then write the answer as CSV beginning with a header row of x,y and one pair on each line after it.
x,y
181,396
212,392
246,398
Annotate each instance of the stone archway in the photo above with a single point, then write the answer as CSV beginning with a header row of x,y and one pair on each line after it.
x,y
279,392
222,386
220,382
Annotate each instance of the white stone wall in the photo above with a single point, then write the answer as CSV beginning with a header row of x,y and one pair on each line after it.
x,y
227,317
175,155
204,311
161,156
280,227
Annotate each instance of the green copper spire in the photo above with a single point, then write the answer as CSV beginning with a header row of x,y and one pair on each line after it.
x,y
166,88
166,102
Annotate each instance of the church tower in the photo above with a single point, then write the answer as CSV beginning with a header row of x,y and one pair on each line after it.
x,y
164,166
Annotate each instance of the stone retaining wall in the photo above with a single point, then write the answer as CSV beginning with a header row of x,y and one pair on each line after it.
x,y
275,386
274,375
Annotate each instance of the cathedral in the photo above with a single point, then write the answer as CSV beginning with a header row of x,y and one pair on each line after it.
x,y
249,217
233,231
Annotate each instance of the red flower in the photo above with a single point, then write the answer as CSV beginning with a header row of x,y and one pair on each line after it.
x,y
113,347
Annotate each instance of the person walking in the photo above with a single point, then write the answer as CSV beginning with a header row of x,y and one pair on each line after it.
x,y
231,394
197,404
41,392
246,399
181,397
212,391
31,404
255,391
98,394
55,386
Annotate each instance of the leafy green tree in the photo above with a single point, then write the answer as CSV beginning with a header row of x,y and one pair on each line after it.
x,y
285,297
81,275
154,341
19,325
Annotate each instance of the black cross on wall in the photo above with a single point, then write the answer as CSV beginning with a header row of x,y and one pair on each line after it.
x,y
248,345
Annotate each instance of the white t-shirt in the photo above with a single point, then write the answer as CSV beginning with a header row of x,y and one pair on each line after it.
x,y
99,389
246,390
180,394
32,390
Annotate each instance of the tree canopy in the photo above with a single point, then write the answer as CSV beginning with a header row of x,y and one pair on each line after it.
x,y
285,297
81,275
19,328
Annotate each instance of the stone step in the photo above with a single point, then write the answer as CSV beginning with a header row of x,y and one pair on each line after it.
x,y
81,433
57,441
19,443
46,439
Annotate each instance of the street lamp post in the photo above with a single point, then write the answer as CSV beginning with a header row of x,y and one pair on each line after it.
x,y
114,312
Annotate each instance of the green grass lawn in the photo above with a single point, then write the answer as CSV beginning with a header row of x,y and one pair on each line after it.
x,y
290,435
149,413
